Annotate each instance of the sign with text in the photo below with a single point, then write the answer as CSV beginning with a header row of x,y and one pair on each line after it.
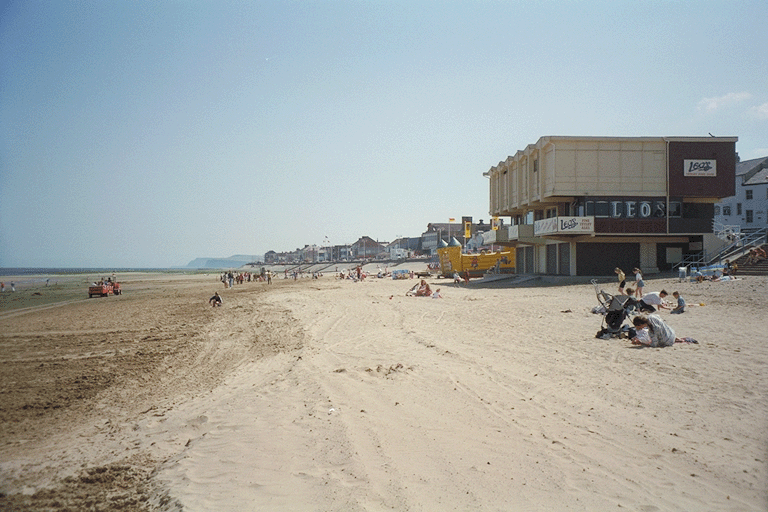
x,y
633,208
706,168
564,226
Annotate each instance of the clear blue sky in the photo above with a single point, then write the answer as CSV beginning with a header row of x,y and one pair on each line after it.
x,y
147,134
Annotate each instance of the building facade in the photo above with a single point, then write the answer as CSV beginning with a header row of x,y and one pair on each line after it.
x,y
748,208
585,205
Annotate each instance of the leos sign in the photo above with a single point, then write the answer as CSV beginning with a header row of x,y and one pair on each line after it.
x,y
700,168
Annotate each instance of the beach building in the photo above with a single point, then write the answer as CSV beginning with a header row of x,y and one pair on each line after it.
x,y
747,210
585,205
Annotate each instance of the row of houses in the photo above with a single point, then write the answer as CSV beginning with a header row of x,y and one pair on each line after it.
x,y
366,248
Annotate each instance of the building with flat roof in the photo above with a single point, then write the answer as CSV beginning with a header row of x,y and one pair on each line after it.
x,y
585,205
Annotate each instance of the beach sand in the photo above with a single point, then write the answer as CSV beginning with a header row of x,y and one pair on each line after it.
x,y
329,395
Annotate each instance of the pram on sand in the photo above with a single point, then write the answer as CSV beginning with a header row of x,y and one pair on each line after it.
x,y
616,309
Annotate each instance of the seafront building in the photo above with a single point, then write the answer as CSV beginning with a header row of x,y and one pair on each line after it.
x,y
747,210
585,205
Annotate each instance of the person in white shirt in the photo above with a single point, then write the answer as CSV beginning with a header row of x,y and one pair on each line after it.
x,y
652,299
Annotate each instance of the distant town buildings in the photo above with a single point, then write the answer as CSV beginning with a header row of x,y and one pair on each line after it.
x,y
366,248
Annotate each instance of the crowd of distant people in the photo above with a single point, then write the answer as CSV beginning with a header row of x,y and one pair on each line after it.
x,y
230,279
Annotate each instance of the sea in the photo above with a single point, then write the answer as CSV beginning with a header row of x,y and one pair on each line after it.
x,y
68,271
34,276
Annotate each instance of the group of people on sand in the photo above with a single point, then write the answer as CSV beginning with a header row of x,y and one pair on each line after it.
x,y
230,279
457,279
651,330
423,289
652,300
639,283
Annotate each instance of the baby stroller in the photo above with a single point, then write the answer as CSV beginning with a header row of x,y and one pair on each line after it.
x,y
617,309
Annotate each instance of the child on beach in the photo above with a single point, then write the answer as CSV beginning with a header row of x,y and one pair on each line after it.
x,y
622,280
639,283
680,308
659,333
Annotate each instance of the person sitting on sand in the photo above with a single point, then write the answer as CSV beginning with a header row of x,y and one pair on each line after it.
x,y
437,294
659,333
424,289
652,299
215,300
680,308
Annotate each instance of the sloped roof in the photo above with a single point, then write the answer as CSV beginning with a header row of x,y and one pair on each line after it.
x,y
748,165
753,172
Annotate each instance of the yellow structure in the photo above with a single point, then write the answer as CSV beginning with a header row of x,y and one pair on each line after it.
x,y
453,260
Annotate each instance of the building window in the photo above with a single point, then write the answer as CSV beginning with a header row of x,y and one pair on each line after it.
x,y
727,210
749,194
599,208
717,210
750,217
738,208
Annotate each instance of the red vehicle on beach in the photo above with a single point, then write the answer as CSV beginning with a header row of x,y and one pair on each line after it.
x,y
104,289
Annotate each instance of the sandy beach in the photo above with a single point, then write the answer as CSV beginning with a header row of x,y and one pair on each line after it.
x,y
331,395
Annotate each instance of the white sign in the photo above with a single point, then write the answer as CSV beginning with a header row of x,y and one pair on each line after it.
x,y
700,168
564,225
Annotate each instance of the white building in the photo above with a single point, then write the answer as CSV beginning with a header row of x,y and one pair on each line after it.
x,y
748,209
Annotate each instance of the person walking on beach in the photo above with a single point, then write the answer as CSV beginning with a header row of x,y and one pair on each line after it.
x,y
622,280
13,286
2,287
639,283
